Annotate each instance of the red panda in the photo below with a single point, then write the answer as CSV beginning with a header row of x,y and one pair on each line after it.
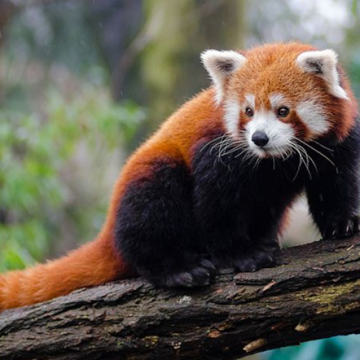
x,y
212,187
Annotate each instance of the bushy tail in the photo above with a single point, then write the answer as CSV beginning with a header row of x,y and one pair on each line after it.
x,y
92,264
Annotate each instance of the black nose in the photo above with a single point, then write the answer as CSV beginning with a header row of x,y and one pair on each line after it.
x,y
260,138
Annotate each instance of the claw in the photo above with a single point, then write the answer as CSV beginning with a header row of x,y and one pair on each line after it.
x,y
350,228
198,276
356,223
343,228
207,264
246,265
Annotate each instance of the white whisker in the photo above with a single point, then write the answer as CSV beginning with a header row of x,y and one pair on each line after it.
x,y
317,151
323,146
303,158
210,142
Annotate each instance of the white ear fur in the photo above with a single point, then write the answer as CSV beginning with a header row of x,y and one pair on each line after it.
x,y
323,64
220,65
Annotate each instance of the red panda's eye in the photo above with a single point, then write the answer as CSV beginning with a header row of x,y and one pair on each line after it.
x,y
249,112
283,111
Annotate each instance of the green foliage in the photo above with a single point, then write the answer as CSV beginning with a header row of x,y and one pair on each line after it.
x,y
354,73
354,7
35,149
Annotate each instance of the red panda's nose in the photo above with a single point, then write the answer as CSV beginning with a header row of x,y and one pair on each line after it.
x,y
259,138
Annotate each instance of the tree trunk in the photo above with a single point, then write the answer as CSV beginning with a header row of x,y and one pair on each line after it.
x,y
7,10
314,292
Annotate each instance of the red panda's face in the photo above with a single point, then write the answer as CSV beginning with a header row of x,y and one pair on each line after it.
x,y
278,96
268,124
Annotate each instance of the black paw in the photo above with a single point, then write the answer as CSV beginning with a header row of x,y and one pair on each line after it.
x,y
261,257
254,261
197,272
195,277
342,228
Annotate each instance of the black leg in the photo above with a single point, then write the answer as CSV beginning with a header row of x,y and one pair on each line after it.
x,y
333,202
156,231
333,195
262,255
239,213
232,244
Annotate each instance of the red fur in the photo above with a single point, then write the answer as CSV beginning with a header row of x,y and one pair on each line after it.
x,y
98,262
265,71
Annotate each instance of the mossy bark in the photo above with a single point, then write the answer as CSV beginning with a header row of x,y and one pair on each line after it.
x,y
312,293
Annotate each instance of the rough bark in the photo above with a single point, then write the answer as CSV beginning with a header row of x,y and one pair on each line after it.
x,y
314,292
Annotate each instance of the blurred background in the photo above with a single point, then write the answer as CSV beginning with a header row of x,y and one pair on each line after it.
x,y
84,82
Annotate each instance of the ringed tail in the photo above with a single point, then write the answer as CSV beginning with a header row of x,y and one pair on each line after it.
x,y
92,264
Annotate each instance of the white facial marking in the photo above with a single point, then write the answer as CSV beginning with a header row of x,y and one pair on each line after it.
x,y
277,100
250,98
313,116
232,116
323,64
220,65
279,134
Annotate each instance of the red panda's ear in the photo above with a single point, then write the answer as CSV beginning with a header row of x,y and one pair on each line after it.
x,y
323,63
220,65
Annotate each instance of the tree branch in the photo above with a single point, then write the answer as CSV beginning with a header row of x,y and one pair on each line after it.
x,y
313,293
